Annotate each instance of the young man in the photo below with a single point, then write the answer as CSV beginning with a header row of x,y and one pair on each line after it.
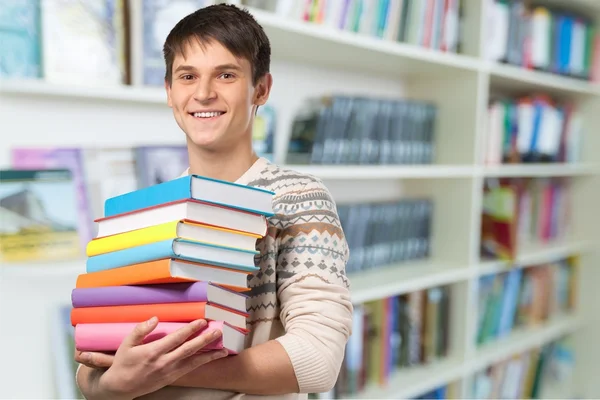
x,y
300,311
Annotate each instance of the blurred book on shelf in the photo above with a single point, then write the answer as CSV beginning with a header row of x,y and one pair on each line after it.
x,y
432,24
525,297
381,234
20,35
546,38
98,173
394,334
353,130
263,132
528,375
39,216
522,212
74,160
158,164
85,41
533,129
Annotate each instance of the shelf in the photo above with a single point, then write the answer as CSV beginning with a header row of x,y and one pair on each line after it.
x,y
42,269
521,341
385,171
103,93
511,78
415,381
540,170
324,46
584,6
403,278
533,255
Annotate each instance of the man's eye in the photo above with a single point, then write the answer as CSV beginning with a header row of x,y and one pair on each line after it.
x,y
226,75
187,77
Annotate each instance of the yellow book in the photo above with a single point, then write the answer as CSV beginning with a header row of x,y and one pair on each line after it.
x,y
173,230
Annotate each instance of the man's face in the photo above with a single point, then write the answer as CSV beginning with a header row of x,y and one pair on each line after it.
x,y
212,95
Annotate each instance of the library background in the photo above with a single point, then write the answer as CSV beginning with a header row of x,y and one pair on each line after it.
x,y
463,151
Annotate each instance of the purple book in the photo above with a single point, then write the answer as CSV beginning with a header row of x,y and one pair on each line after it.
x,y
145,294
159,293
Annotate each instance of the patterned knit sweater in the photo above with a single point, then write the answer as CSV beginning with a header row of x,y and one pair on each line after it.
x,y
300,296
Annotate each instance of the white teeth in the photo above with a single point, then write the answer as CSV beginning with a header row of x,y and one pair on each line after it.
x,y
207,114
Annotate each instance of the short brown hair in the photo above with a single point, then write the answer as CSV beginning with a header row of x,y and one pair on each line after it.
x,y
234,28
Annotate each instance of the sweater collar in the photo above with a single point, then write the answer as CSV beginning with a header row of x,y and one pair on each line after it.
x,y
246,176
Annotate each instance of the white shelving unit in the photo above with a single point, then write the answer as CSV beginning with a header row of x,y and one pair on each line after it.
x,y
36,113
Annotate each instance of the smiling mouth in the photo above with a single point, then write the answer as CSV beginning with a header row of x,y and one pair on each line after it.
x,y
207,115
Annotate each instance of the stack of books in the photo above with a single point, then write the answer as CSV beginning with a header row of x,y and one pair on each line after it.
x,y
180,250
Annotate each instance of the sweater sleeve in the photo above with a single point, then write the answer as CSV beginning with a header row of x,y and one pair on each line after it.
x,y
312,287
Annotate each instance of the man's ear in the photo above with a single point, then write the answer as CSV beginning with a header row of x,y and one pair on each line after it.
x,y
263,89
168,89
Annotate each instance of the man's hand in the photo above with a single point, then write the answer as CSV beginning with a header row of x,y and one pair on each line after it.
x,y
137,369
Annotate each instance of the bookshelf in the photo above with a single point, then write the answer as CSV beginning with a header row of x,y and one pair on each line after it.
x,y
330,60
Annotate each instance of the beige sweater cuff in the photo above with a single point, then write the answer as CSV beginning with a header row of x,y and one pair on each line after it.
x,y
311,372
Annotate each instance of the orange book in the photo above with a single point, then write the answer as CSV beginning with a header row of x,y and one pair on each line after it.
x,y
165,271
165,312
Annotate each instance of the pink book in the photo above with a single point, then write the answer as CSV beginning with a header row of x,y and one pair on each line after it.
x,y
107,337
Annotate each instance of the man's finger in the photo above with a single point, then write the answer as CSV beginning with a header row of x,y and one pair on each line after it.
x,y
180,336
94,360
141,330
193,346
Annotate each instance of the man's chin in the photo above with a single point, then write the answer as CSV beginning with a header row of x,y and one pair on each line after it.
x,y
204,142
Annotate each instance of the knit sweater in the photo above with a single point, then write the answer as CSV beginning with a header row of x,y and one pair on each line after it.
x,y
300,296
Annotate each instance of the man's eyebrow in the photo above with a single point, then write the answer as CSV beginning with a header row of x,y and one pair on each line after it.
x,y
185,68
222,67
228,66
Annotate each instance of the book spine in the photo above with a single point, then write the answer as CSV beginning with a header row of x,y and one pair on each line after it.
x,y
133,255
168,312
108,337
133,238
131,295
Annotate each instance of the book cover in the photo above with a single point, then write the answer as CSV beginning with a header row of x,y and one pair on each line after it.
x,y
107,337
68,158
139,294
164,271
39,216
182,249
229,194
173,230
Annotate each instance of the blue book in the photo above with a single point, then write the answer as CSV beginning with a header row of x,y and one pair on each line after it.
x,y
564,61
181,249
208,190
509,301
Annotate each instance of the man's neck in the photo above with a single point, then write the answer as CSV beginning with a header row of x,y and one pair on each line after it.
x,y
228,166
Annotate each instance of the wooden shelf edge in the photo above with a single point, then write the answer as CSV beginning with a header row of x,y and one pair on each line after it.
x,y
523,340
399,279
411,382
533,256
540,170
